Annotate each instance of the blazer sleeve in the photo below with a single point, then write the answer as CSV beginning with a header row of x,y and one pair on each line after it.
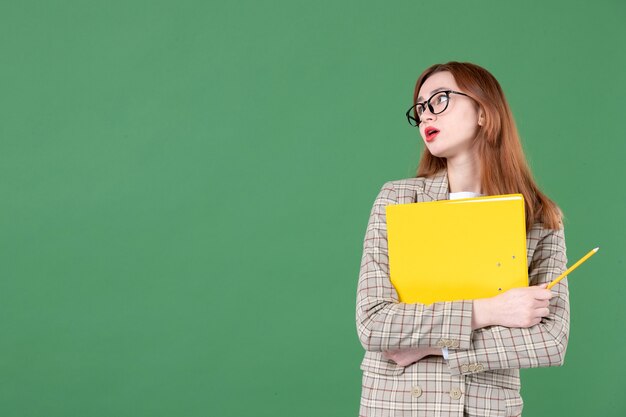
x,y
383,323
499,347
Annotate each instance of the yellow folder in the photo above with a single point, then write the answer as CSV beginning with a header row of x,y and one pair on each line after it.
x,y
461,249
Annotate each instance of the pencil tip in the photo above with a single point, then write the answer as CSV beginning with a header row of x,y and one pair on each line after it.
x,y
596,249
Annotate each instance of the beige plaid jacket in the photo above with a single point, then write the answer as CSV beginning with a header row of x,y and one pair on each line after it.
x,y
481,375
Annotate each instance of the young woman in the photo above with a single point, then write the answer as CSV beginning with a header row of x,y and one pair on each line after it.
x,y
461,358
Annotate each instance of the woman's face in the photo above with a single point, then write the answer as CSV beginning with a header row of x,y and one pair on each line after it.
x,y
458,124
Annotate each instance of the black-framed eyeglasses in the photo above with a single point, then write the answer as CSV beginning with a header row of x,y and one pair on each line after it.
x,y
437,103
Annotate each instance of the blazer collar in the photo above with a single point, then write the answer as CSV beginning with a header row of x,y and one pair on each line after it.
x,y
437,185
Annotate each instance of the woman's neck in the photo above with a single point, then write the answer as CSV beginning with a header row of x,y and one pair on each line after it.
x,y
464,174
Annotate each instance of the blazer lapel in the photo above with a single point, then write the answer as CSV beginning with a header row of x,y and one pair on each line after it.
x,y
436,187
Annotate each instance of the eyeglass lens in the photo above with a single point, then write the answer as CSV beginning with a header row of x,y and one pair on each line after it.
x,y
437,104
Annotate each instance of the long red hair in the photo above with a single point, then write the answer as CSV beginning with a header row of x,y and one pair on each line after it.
x,y
503,164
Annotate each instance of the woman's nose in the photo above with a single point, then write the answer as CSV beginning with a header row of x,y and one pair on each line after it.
x,y
427,115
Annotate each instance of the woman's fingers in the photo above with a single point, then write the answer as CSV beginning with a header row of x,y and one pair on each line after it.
x,y
540,313
541,293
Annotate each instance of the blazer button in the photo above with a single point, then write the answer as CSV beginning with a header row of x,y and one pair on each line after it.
x,y
448,343
455,393
464,368
455,343
472,367
441,343
416,391
479,367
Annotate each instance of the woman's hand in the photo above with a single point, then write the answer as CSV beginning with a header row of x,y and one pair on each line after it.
x,y
517,307
405,357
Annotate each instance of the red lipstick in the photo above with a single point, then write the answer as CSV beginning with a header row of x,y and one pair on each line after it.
x,y
430,133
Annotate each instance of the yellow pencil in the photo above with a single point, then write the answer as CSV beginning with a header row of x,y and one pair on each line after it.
x,y
571,268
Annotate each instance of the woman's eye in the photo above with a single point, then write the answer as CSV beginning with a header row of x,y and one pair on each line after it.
x,y
441,99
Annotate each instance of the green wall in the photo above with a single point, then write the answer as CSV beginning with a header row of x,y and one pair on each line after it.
x,y
185,187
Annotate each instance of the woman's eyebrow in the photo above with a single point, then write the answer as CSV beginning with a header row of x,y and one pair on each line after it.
x,y
420,98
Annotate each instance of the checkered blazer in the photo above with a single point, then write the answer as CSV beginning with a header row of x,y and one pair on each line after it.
x,y
481,375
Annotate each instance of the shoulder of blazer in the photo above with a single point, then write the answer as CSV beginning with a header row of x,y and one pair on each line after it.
x,y
420,189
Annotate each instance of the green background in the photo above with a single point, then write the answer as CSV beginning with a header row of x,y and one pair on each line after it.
x,y
185,187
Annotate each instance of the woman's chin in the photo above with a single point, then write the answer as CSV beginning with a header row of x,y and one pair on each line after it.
x,y
434,151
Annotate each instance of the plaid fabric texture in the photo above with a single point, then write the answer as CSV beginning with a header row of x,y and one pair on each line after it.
x,y
481,375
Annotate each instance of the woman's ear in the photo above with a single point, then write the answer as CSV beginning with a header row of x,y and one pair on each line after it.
x,y
481,117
